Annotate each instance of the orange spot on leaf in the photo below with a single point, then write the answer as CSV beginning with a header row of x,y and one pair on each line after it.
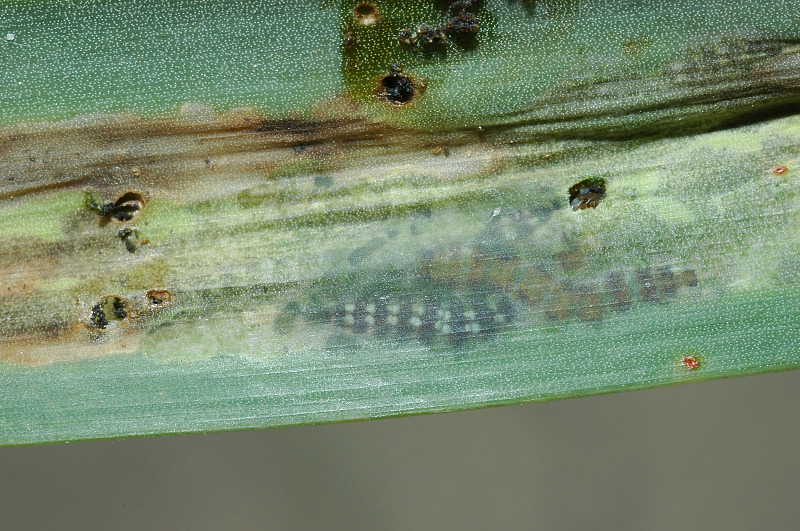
x,y
780,170
691,362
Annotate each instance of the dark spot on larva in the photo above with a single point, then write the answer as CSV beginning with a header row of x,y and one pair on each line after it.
x,y
535,286
561,304
691,362
429,318
618,290
780,170
664,283
587,194
443,264
668,282
110,308
366,14
396,88
648,290
285,321
158,298
590,306
571,260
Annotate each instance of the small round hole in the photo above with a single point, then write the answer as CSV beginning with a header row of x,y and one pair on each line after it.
x,y
128,205
396,88
125,208
366,14
587,194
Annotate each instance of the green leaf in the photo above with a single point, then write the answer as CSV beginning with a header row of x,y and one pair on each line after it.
x,y
235,214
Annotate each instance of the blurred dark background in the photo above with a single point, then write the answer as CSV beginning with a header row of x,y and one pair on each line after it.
x,y
720,454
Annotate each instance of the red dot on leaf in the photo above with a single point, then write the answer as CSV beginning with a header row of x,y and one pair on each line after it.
x,y
780,170
691,362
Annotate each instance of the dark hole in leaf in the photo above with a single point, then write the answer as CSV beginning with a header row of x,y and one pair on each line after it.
x,y
397,88
123,209
366,14
587,194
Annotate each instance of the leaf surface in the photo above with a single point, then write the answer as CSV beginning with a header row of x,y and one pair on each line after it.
x,y
235,215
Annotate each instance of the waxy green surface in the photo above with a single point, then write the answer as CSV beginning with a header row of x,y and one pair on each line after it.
x,y
330,257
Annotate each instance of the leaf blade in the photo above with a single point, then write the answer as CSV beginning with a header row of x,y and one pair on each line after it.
x,y
285,270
